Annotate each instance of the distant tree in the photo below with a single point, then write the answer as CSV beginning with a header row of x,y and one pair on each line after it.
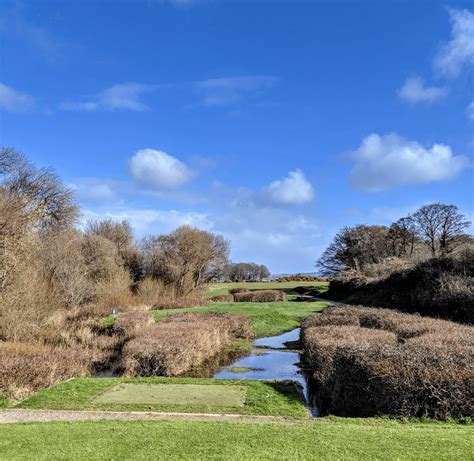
x,y
246,272
440,226
185,258
354,248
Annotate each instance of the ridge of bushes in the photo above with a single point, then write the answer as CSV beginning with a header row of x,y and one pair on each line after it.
x,y
367,362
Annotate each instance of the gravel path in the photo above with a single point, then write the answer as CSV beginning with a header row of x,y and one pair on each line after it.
x,y
22,416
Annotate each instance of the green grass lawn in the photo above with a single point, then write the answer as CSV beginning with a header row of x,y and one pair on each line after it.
x,y
215,289
315,440
268,319
273,398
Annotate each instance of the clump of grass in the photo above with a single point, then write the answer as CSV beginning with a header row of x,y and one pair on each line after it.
x,y
180,342
368,362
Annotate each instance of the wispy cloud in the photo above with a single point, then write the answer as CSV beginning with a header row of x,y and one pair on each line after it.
x,y
470,111
385,162
14,23
459,50
415,91
15,101
122,96
230,90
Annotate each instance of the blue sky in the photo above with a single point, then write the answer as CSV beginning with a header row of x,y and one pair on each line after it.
x,y
274,123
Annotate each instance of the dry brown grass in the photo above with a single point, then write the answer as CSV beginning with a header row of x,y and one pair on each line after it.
x,y
369,362
260,296
234,291
180,342
26,367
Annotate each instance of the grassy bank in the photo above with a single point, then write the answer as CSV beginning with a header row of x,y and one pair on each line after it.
x,y
268,319
260,397
324,440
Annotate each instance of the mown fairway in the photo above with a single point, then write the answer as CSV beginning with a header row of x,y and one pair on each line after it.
x,y
324,440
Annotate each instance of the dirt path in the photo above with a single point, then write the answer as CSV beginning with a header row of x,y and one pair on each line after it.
x,y
22,416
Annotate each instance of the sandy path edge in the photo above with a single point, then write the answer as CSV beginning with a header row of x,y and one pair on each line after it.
x,y
16,415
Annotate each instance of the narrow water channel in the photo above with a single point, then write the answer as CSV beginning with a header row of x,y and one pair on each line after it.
x,y
271,359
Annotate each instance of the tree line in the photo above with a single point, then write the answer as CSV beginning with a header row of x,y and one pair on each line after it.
x,y
434,230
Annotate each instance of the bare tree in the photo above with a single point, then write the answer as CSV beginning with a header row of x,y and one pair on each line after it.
x,y
440,226
185,257
354,248
39,193
402,237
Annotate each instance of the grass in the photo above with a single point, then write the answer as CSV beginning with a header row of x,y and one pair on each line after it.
x,y
321,440
268,319
200,395
243,370
216,289
274,398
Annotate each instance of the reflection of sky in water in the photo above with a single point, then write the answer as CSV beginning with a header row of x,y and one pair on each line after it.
x,y
278,342
272,364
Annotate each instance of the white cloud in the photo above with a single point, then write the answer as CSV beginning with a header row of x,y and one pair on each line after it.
x,y
95,190
230,90
15,101
122,96
384,162
156,170
295,189
459,51
414,91
470,111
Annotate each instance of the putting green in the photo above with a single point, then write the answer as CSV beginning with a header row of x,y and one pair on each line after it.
x,y
174,394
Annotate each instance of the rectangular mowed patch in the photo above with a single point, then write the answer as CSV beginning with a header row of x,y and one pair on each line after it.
x,y
200,395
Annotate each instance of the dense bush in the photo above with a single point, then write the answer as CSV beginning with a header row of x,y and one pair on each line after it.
x,y
439,287
234,291
222,299
26,367
180,342
260,296
300,278
368,362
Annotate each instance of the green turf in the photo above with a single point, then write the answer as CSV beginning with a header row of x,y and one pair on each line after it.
x,y
196,440
223,288
268,319
243,370
274,398
174,394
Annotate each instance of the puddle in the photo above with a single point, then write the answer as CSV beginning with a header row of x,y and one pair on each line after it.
x,y
273,362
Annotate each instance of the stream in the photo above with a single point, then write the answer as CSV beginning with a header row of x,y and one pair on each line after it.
x,y
271,359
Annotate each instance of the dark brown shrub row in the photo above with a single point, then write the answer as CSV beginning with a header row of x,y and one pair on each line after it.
x,y
441,287
234,291
222,299
300,278
368,362
27,367
180,342
260,296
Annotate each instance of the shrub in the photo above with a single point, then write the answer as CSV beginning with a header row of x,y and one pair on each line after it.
x,y
192,300
27,367
439,287
222,299
260,296
180,342
300,278
234,291
130,324
150,290
368,362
